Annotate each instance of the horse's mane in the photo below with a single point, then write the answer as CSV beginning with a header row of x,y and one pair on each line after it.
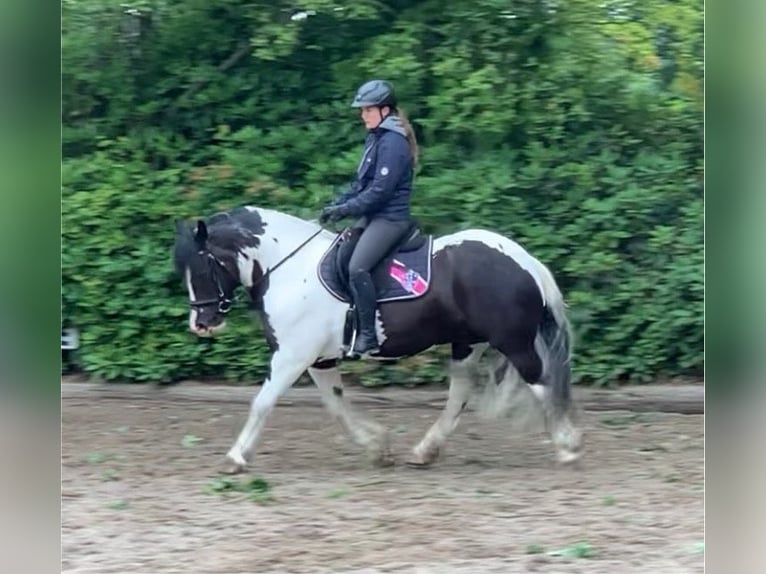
x,y
227,230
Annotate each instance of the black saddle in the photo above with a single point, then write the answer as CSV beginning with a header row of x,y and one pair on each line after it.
x,y
403,273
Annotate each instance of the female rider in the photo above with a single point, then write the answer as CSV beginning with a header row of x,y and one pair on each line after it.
x,y
380,196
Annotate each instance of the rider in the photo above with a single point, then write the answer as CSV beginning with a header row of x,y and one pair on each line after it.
x,y
380,196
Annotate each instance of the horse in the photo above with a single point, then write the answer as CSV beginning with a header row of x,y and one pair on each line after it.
x,y
475,290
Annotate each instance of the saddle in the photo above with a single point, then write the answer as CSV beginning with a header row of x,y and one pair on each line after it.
x,y
404,273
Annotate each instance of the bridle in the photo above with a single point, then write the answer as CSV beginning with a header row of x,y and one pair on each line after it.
x,y
223,301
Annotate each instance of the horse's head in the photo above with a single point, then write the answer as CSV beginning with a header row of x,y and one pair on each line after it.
x,y
210,273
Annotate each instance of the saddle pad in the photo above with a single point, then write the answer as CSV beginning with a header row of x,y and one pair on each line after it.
x,y
404,276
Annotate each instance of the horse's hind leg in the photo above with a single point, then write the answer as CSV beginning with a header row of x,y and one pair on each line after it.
x,y
536,366
362,430
465,359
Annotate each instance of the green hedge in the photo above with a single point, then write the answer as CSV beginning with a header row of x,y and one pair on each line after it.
x,y
577,131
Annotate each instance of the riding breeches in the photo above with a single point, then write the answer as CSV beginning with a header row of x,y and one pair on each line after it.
x,y
377,239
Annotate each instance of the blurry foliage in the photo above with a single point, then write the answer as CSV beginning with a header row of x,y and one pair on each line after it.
x,y
575,127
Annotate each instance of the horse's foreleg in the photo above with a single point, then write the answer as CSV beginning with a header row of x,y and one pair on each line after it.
x,y
285,370
463,371
362,430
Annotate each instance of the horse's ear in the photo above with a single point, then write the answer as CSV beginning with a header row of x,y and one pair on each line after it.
x,y
200,234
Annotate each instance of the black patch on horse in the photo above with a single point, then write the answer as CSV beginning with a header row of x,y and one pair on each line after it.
x,y
268,331
325,364
251,220
257,291
403,274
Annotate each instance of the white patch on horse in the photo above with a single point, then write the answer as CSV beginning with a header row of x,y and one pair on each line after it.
x,y
192,297
506,246
245,263
380,329
539,391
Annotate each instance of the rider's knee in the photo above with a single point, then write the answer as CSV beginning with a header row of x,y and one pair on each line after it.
x,y
355,271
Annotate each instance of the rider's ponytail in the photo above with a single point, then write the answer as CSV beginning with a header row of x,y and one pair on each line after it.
x,y
410,135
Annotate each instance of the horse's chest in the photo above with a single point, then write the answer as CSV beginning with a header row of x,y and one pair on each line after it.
x,y
298,309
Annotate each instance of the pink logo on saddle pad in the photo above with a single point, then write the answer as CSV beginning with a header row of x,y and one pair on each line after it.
x,y
409,279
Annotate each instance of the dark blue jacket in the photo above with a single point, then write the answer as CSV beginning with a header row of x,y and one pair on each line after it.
x,y
384,176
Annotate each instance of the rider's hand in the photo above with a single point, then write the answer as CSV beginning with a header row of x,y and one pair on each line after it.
x,y
330,214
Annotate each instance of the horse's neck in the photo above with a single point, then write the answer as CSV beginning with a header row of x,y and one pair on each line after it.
x,y
282,235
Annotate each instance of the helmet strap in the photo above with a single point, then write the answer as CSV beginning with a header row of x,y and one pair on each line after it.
x,y
391,110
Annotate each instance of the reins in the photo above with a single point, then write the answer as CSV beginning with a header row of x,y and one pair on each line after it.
x,y
287,258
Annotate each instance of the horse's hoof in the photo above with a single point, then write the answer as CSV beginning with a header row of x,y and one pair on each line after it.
x,y
567,457
384,460
234,463
232,468
414,462
418,460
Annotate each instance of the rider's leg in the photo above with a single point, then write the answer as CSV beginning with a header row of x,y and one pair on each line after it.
x,y
378,239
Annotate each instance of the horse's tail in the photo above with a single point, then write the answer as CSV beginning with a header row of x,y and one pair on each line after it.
x,y
554,342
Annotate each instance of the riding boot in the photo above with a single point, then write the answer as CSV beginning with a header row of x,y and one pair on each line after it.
x,y
364,295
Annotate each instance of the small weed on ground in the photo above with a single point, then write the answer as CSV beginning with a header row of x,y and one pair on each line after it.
x,y
119,505
623,421
98,457
190,440
337,493
578,550
257,489
109,475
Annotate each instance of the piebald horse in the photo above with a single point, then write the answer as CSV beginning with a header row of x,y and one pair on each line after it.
x,y
474,290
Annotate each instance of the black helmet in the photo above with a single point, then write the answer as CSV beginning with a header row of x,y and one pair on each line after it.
x,y
374,93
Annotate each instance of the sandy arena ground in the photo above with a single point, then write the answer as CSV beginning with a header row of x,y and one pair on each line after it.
x,y
137,478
